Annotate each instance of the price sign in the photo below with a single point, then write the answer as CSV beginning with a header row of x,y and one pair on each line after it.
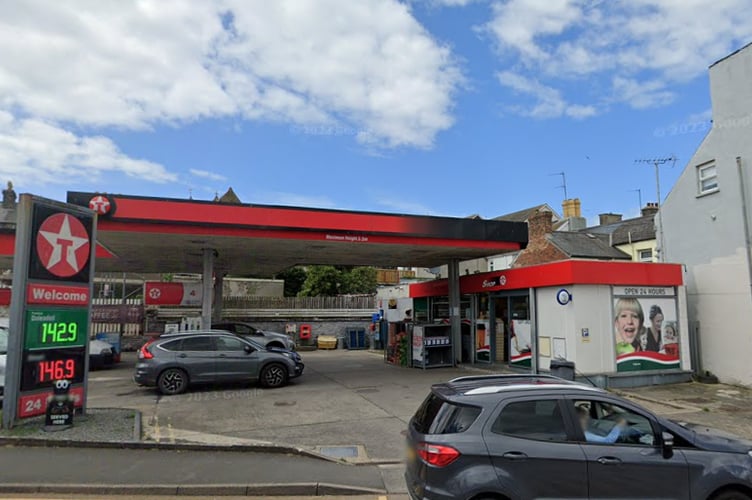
x,y
42,368
50,328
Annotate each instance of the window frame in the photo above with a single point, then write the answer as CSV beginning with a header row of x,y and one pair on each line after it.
x,y
245,345
640,258
580,435
211,341
569,429
700,178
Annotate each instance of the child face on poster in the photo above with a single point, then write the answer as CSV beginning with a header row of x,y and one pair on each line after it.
x,y
628,321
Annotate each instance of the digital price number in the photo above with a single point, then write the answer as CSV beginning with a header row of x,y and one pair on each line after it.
x,y
48,371
42,368
50,328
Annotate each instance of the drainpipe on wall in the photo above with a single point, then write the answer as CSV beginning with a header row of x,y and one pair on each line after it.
x,y
745,217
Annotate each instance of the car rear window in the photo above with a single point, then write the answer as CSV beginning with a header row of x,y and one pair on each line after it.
x,y
437,416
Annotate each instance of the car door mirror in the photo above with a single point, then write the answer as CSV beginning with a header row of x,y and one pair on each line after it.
x,y
248,349
667,444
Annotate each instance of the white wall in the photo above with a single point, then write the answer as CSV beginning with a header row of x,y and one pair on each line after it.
x,y
593,305
706,233
554,321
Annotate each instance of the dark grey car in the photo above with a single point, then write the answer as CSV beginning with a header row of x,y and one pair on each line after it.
x,y
173,362
523,437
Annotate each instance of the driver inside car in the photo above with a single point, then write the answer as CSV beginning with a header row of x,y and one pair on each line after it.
x,y
590,436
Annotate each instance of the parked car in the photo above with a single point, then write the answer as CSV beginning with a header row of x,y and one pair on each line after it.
x,y
172,362
525,437
100,354
271,339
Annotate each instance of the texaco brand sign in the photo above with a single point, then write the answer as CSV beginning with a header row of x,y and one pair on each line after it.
x,y
63,245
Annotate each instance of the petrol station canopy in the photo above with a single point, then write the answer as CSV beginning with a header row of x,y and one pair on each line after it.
x,y
141,234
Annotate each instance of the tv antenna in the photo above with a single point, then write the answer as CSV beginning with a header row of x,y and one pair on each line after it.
x,y
563,183
657,162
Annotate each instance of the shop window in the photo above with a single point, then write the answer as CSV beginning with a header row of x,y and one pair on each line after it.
x,y
707,178
645,255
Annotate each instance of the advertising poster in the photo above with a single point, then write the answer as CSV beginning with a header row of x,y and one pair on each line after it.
x,y
418,345
520,351
646,329
483,340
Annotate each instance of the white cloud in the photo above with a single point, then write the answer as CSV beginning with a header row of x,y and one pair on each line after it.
x,y
35,152
205,174
548,101
630,52
452,3
368,64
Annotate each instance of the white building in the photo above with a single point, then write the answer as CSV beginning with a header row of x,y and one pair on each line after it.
x,y
706,225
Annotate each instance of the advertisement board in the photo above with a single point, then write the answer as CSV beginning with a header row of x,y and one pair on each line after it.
x,y
157,293
646,328
520,350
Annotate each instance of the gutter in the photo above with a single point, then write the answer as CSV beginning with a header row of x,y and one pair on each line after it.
x,y
745,218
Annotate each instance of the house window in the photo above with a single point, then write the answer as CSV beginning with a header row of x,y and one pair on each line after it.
x,y
707,178
645,255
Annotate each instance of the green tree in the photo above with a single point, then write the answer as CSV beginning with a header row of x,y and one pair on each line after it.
x,y
322,281
361,280
294,278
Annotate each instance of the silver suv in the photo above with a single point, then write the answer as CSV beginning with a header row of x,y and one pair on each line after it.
x,y
172,362
524,437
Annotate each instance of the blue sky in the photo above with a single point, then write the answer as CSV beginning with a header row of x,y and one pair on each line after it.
x,y
444,107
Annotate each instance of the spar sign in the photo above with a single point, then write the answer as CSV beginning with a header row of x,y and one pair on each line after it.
x,y
53,267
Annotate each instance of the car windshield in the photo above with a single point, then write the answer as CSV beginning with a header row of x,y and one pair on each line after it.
x,y
3,340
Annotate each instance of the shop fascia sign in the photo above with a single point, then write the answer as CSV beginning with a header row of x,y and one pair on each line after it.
x,y
644,291
497,281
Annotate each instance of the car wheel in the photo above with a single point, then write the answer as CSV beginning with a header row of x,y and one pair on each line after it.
x,y
731,495
172,381
273,375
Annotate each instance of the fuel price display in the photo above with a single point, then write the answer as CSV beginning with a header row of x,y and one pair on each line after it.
x,y
42,368
54,328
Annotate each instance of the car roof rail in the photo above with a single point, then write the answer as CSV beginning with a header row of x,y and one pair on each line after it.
x,y
502,376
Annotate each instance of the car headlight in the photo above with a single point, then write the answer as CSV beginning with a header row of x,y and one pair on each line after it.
x,y
105,351
749,453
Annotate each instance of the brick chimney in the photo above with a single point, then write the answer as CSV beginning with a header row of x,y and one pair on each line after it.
x,y
650,209
539,225
606,219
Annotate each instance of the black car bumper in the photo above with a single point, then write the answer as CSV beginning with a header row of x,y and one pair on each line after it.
x,y
101,360
299,369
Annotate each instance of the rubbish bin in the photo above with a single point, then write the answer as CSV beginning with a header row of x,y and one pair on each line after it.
x,y
563,369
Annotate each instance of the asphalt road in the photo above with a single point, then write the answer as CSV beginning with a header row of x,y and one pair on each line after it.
x,y
157,467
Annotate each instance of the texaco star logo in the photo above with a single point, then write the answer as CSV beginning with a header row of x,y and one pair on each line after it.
x,y
154,293
100,204
63,245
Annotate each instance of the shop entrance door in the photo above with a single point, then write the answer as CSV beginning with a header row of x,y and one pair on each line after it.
x,y
510,315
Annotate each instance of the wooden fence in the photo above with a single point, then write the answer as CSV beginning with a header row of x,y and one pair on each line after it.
x,y
109,314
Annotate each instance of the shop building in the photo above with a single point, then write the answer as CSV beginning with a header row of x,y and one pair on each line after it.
x,y
526,317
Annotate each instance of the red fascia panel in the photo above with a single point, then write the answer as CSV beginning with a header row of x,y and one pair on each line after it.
x,y
569,272
5,296
185,229
203,213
